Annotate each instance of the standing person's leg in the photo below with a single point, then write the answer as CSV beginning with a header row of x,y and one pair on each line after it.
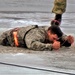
x,y
59,8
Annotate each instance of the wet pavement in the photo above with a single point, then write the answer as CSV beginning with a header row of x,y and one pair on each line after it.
x,y
23,61
20,61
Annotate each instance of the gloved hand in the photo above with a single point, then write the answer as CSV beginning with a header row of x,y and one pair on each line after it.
x,y
70,39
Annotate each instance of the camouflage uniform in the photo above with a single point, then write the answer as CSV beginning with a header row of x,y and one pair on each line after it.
x,y
59,6
32,37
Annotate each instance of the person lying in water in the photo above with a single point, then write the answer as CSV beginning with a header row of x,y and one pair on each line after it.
x,y
36,38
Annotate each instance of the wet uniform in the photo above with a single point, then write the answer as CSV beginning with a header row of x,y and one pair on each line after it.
x,y
32,37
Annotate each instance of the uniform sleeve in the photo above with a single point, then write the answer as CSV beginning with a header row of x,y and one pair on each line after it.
x,y
41,46
35,40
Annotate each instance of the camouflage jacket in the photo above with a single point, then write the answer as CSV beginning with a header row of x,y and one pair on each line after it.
x,y
32,37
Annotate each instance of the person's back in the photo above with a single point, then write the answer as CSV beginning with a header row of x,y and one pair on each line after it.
x,y
7,37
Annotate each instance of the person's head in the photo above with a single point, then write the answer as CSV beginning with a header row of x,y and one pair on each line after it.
x,y
54,33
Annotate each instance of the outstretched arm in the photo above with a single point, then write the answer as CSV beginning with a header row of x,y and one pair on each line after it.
x,y
67,40
41,46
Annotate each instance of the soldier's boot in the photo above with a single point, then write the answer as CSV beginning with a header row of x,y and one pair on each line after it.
x,y
57,20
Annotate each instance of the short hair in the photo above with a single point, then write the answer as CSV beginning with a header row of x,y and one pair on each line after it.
x,y
55,30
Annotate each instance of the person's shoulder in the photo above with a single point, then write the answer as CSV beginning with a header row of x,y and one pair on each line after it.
x,y
45,27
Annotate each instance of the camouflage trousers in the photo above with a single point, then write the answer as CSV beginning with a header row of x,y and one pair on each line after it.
x,y
2,37
59,6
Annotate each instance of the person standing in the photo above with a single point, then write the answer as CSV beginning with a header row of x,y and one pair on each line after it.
x,y
59,8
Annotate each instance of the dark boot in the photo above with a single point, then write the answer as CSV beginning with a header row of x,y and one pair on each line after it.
x,y
57,20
